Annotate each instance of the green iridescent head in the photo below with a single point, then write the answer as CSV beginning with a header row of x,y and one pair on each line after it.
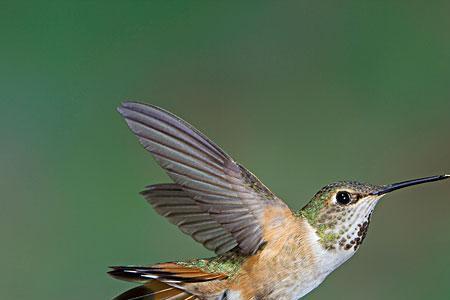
x,y
340,212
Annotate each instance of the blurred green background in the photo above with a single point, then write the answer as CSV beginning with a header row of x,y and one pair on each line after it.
x,y
302,93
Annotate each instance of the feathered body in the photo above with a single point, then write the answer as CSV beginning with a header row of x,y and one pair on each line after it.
x,y
264,250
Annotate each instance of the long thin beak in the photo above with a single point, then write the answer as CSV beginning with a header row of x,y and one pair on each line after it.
x,y
395,186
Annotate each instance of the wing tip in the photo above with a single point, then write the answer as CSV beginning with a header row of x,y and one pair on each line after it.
x,y
137,106
132,103
126,106
149,189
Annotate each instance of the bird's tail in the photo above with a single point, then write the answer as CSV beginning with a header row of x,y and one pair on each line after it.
x,y
155,290
167,281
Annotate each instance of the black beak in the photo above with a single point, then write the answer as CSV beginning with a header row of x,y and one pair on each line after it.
x,y
395,186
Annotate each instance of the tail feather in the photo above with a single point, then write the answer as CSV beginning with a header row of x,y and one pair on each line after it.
x,y
127,274
155,290
166,272
166,281
133,276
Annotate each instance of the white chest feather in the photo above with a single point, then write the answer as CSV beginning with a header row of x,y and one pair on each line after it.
x,y
326,262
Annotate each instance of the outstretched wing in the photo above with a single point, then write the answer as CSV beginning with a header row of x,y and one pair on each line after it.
x,y
228,192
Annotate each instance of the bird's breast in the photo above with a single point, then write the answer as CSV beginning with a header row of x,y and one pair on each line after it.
x,y
291,265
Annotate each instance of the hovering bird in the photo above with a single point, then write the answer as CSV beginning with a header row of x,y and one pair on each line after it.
x,y
264,250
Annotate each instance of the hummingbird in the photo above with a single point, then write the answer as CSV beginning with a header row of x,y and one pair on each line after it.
x,y
264,250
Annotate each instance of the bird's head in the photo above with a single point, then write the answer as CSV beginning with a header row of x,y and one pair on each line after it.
x,y
340,212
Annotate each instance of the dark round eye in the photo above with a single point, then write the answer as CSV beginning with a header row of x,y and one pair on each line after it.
x,y
343,198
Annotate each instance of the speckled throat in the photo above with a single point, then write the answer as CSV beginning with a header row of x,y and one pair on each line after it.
x,y
345,228
341,227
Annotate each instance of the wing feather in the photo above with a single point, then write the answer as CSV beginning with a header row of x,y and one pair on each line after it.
x,y
227,192
172,202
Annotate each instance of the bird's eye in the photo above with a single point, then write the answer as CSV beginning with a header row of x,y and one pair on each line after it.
x,y
343,198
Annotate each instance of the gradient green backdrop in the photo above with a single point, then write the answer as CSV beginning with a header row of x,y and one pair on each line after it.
x,y
303,93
